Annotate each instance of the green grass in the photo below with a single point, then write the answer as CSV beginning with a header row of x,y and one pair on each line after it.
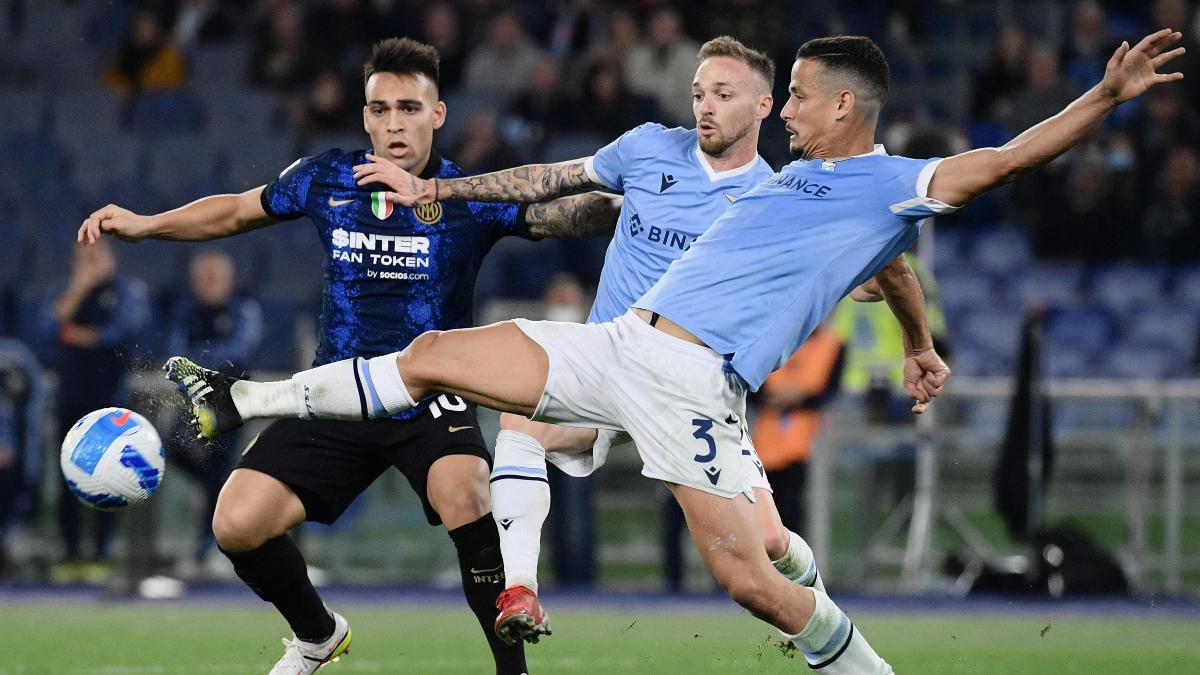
x,y
159,639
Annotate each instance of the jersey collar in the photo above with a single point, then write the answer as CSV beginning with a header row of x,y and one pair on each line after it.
x,y
434,166
714,175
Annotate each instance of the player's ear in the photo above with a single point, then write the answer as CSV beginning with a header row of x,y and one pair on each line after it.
x,y
439,114
366,127
845,103
765,103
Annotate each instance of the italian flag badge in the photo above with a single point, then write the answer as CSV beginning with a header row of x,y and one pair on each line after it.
x,y
380,206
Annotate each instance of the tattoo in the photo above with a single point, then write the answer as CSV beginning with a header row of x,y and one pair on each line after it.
x,y
583,215
525,184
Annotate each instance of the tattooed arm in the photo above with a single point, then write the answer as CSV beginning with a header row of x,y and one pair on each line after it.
x,y
525,184
586,215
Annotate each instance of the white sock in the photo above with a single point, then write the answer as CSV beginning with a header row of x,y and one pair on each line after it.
x,y
798,563
520,504
352,389
832,644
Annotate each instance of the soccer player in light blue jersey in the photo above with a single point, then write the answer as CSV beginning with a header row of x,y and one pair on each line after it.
x,y
673,371
675,182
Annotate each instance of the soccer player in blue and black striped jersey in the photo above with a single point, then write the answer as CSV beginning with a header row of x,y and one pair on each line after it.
x,y
391,274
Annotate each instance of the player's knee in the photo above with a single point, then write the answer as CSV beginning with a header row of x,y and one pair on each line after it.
x,y
750,590
418,363
776,539
238,530
465,505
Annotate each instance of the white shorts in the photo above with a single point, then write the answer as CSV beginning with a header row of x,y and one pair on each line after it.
x,y
677,401
580,464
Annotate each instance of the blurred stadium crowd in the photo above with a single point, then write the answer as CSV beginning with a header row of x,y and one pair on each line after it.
x,y
152,104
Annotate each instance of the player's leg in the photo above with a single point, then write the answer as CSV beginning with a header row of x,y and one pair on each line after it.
x,y
498,366
726,535
789,553
294,471
520,505
447,462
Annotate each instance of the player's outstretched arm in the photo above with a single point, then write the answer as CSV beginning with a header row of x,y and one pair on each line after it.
x,y
204,219
925,373
525,184
1129,73
585,215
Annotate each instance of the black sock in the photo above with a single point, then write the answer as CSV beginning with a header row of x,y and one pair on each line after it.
x,y
277,573
482,568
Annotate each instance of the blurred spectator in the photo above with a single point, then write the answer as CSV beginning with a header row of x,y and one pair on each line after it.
x,y
1170,226
93,322
146,59
1166,123
220,328
576,27
282,60
441,29
540,106
481,149
502,65
22,397
572,521
1045,93
1002,77
788,418
342,31
1095,207
663,65
607,107
765,25
1088,46
621,31
1174,14
329,107
205,22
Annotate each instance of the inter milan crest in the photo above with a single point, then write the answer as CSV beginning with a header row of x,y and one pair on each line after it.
x,y
380,205
428,213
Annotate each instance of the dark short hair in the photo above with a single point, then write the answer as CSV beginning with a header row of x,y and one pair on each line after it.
x,y
734,49
402,56
856,57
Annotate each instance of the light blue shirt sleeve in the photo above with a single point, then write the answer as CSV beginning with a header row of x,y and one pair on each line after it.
x,y
904,187
610,163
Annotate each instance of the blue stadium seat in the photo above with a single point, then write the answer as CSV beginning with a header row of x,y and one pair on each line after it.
x,y
24,109
1177,330
996,331
1144,362
1054,285
1089,331
220,66
1058,361
963,289
1187,287
182,167
571,146
1002,251
1128,287
166,112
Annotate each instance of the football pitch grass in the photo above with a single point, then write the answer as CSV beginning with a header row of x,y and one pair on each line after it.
x,y
66,638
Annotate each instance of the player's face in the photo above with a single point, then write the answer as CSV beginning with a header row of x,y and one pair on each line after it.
x,y
400,115
810,111
729,100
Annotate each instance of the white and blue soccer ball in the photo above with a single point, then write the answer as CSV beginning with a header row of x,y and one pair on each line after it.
x,y
112,459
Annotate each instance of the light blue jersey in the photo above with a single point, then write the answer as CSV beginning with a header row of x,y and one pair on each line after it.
x,y
671,196
767,272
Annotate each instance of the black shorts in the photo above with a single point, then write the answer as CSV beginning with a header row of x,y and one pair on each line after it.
x,y
328,463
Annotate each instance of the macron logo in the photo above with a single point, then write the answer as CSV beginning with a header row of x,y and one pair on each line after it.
x,y
506,523
713,473
667,181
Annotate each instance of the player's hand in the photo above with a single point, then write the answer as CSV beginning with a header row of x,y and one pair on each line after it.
x,y
1131,71
407,189
114,220
869,291
925,373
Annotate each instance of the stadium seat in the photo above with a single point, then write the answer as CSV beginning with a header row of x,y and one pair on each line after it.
x,y
996,331
167,112
1128,287
1054,285
220,66
1059,361
1187,287
183,167
571,146
1177,330
24,109
1003,251
1088,331
1142,362
962,290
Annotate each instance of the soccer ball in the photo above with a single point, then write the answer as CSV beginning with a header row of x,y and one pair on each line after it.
x,y
112,458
